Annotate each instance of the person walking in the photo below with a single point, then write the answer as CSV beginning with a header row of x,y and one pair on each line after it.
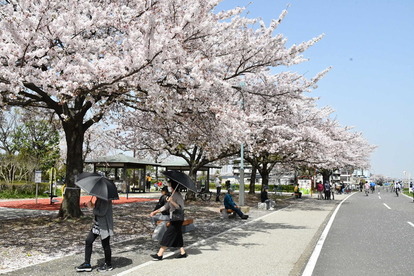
x,y
218,188
319,188
173,237
103,228
165,215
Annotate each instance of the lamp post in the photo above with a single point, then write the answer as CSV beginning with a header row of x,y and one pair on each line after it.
x,y
241,182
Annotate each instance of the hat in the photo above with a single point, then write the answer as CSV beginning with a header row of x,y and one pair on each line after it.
x,y
230,190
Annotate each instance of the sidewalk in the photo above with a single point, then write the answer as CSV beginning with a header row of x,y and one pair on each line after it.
x,y
268,243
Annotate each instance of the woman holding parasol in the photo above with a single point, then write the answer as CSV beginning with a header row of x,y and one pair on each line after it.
x,y
173,237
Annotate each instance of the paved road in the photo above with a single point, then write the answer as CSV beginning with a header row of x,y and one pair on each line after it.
x,y
268,243
371,235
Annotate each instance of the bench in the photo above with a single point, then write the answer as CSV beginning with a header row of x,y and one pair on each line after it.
x,y
227,213
140,190
51,195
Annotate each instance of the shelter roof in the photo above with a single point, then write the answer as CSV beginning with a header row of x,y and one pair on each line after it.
x,y
120,160
183,165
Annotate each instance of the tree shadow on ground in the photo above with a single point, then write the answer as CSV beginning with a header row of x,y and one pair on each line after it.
x,y
117,262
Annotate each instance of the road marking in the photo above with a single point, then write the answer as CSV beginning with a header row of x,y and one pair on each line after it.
x,y
410,223
315,255
379,197
387,206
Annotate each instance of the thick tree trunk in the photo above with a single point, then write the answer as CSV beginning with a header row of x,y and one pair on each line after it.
x,y
70,207
326,174
265,178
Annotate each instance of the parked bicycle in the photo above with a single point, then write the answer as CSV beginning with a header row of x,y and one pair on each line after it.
x,y
202,194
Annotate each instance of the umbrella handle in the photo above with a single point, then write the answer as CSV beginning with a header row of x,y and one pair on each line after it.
x,y
173,194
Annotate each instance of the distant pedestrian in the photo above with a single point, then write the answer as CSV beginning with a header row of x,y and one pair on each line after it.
x,y
367,187
103,228
319,188
333,188
270,204
397,187
297,192
327,189
227,184
148,180
218,188
372,187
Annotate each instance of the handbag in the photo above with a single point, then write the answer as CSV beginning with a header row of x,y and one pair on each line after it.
x,y
177,215
159,231
95,228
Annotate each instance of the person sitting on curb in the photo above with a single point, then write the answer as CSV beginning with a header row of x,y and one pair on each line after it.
x,y
230,204
270,204
297,192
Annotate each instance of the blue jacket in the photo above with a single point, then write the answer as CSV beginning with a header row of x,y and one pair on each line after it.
x,y
228,202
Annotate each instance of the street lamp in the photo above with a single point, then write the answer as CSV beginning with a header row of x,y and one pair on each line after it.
x,y
241,182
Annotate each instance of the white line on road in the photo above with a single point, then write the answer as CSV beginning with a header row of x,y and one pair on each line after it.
x,y
410,223
315,255
379,197
387,206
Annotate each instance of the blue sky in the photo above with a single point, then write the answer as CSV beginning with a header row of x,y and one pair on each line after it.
x,y
369,44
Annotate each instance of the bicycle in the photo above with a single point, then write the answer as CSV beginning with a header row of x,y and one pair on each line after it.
x,y
202,194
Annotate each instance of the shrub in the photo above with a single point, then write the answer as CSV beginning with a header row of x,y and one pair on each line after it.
x,y
23,190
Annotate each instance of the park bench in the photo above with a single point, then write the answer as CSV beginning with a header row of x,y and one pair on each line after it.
x,y
297,195
227,213
135,189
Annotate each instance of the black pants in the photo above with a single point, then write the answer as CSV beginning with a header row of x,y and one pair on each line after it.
x,y
105,244
218,193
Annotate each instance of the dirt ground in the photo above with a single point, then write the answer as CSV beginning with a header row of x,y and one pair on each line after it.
x,y
37,239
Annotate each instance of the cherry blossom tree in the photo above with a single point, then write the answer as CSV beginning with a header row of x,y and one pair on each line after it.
x,y
82,59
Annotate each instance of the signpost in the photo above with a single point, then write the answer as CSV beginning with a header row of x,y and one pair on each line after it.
x,y
38,179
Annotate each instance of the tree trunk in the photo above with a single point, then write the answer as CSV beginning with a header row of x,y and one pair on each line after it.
x,y
252,180
265,178
70,207
326,175
193,175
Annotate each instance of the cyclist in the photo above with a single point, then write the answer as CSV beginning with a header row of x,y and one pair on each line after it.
x,y
366,187
397,187
372,186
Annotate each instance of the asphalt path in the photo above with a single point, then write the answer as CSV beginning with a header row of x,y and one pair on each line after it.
x,y
370,235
